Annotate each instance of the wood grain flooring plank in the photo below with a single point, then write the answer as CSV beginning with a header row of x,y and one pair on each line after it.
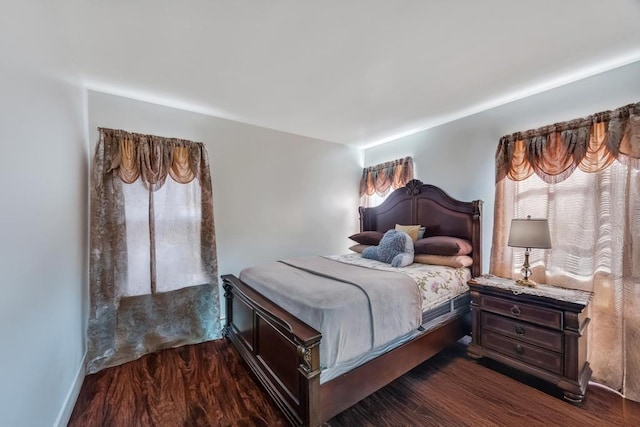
x,y
208,385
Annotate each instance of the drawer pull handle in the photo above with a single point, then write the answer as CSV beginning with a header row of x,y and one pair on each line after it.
x,y
519,349
519,330
515,310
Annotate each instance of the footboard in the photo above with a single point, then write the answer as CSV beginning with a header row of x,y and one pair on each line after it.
x,y
282,351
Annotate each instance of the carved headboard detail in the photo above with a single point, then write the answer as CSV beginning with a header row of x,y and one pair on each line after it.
x,y
431,207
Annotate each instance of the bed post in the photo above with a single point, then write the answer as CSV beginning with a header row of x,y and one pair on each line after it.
x,y
227,300
476,254
361,210
309,371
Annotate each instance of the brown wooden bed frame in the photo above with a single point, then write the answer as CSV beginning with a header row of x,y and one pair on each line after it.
x,y
283,352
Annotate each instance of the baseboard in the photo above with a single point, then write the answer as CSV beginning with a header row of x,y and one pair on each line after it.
x,y
72,396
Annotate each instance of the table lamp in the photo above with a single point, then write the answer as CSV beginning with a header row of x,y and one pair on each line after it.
x,y
529,233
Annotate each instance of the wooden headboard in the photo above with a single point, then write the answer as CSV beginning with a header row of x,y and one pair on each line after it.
x,y
429,206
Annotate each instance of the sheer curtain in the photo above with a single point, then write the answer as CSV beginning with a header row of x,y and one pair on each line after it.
x,y
584,176
379,180
153,272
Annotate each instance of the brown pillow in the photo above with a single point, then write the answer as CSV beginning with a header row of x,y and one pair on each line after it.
x,y
443,245
456,261
358,248
411,230
367,237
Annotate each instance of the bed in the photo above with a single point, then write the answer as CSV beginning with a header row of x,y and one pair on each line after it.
x,y
284,352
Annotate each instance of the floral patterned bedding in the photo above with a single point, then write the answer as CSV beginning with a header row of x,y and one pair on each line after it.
x,y
436,283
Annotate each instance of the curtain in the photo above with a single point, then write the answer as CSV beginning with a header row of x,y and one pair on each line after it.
x,y
378,180
153,268
584,176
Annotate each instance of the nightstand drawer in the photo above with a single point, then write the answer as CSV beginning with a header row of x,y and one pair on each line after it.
x,y
530,313
530,354
551,340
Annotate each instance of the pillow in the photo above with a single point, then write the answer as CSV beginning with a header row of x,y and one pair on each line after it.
x,y
456,261
411,230
367,237
443,245
358,248
421,232
395,248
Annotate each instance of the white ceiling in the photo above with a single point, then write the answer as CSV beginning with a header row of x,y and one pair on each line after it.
x,y
350,71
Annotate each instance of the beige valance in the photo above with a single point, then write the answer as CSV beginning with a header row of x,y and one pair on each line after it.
x,y
590,144
380,178
151,158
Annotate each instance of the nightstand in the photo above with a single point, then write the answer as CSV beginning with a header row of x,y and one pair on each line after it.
x,y
541,331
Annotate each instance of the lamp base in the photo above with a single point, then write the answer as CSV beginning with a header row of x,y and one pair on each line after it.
x,y
526,282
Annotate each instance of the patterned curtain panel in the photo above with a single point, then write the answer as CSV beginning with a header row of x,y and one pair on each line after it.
x,y
153,267
381,179
584,176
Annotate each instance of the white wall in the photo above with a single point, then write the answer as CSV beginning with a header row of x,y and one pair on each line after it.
x,y
459,156
275,195
43,219
43,247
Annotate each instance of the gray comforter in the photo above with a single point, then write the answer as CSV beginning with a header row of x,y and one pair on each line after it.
x,y
355,308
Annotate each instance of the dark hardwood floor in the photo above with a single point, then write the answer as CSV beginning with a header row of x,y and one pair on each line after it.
x,y
207,385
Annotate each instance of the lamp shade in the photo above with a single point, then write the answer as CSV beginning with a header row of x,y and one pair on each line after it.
x,y
529,233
